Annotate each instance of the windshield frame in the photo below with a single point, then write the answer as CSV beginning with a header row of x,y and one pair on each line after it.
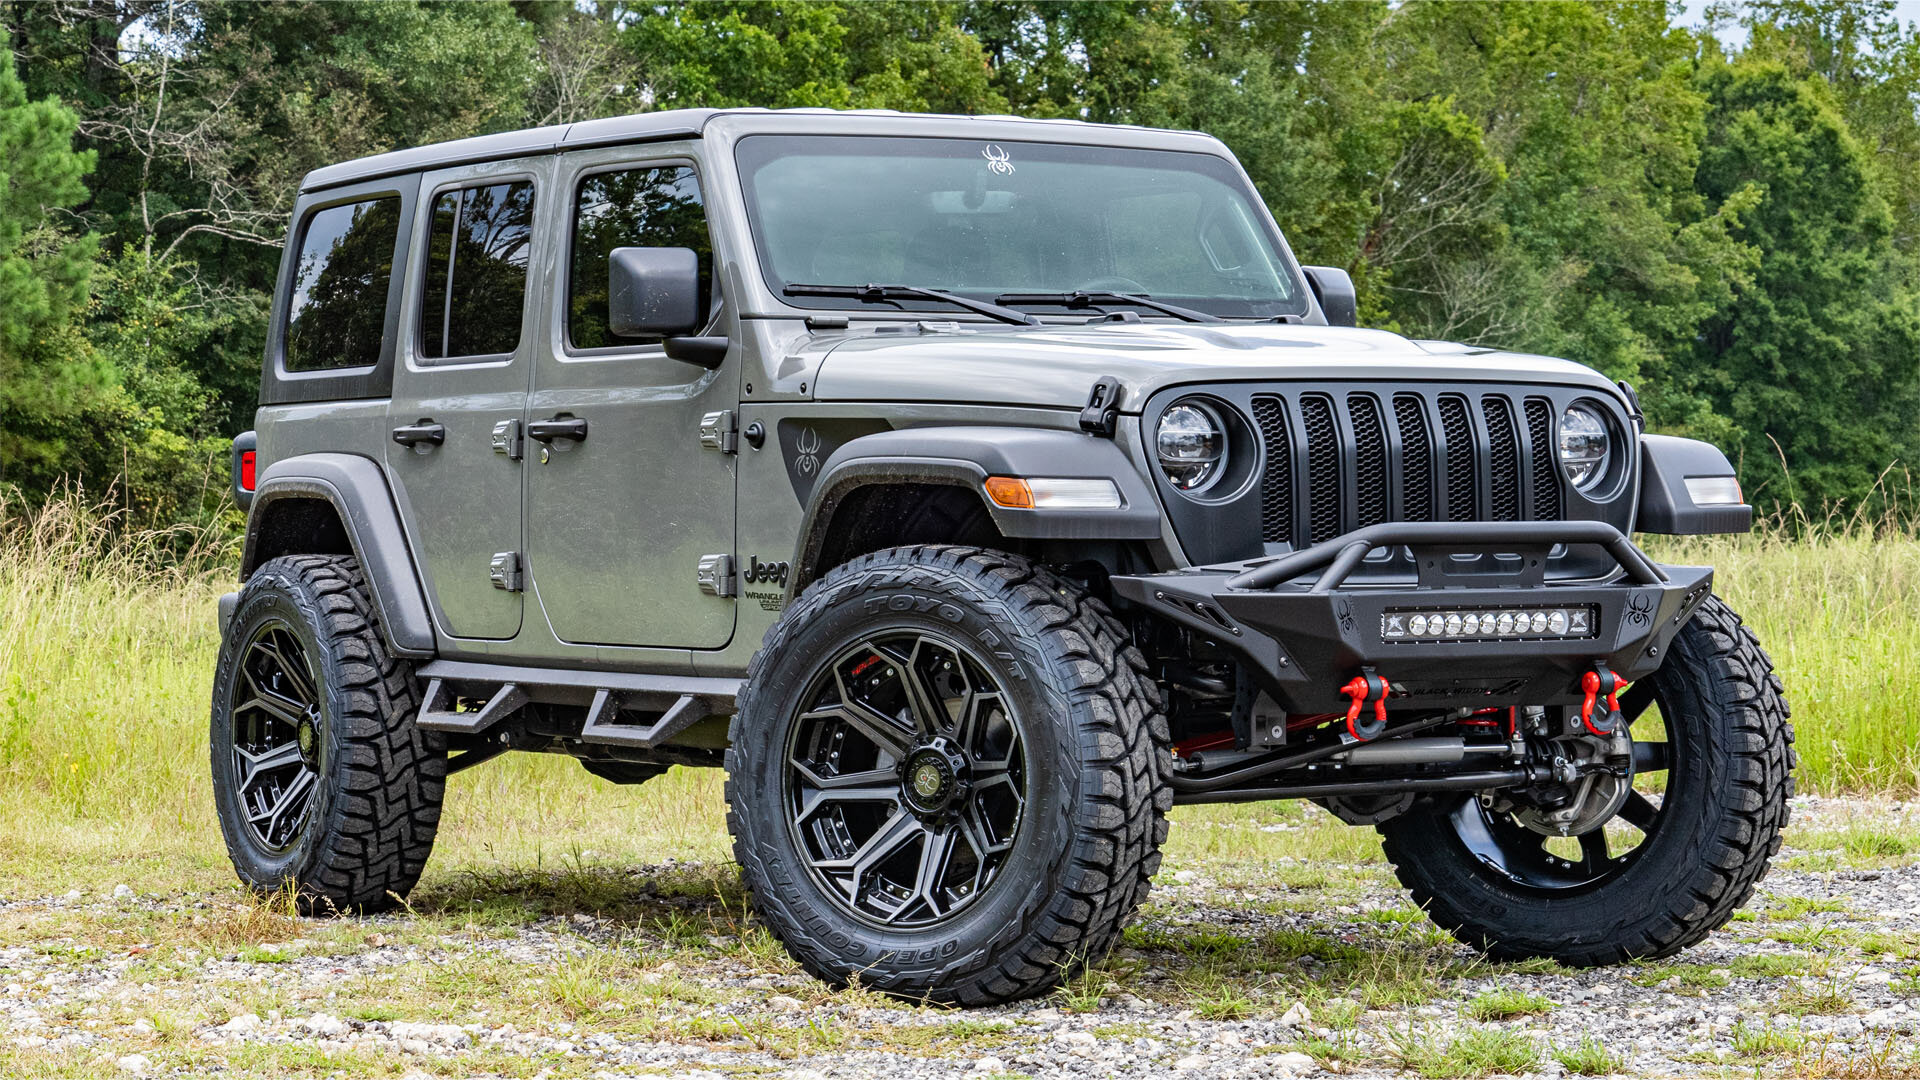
x,y
1303,304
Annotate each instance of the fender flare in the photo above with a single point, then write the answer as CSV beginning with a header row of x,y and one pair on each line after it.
x,y
357,490
1666,506
963,456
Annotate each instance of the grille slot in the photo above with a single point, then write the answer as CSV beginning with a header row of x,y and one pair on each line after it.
x,y
1460,454
1323,467
1416,456
1503,460
1369,459
1345,459
1546,484
1276,484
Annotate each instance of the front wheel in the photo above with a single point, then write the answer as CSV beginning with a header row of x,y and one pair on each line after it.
x,y
946,778
1665,872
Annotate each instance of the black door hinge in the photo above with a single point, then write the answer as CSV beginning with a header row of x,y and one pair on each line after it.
x,y
1102,413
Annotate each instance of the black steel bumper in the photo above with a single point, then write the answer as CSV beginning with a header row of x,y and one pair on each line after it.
x,y
1302,640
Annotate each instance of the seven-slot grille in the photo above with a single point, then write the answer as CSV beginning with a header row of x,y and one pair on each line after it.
x,y
1332,458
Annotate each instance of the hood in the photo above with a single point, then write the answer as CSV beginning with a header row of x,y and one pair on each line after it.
x,y
1056,365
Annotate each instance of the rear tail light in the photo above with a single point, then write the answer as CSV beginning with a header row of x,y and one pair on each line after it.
x,y
245,472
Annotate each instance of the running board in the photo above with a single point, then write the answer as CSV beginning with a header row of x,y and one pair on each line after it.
x,y
683,700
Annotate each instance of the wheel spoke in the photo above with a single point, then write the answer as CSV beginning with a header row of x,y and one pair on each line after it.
x,y
257,765
285,810
1639,811
1593,850
1649,757
973,719
300,686
936,850
929,719
278,705
868,785
878,728
976,835
886,840
1636,699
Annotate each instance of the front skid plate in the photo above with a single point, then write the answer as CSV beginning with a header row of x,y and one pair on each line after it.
x,y
1302,646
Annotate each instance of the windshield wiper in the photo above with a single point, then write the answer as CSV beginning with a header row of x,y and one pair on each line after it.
x,y
880,294
1094,298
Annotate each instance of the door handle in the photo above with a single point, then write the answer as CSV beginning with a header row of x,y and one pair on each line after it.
x,y
570,428
426,431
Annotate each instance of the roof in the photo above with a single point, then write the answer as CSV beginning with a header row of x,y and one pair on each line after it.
x,y
633,128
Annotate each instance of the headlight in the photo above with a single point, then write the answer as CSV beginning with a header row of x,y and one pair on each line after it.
x,y
1585,445
1191,444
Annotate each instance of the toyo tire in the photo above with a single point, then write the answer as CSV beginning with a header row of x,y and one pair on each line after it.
x,y
322,783
1729,760
947,776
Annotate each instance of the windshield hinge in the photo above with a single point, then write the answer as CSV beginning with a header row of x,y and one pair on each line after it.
x,y
1102,413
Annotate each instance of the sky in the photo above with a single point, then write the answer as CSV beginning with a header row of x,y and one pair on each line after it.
x,y
1694,14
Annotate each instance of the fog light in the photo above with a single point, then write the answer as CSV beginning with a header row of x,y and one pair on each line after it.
x,y
1401,624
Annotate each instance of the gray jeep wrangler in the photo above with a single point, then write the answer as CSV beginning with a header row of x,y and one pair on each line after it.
x,y
972,490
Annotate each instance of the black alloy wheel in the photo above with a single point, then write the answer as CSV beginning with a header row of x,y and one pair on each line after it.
x,y
905,779
278,740
1525,856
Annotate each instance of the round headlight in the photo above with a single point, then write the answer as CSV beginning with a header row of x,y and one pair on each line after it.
x,y
1191,444
1585,445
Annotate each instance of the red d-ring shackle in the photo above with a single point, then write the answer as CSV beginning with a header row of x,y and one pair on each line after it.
x,y
1601,682
1366,688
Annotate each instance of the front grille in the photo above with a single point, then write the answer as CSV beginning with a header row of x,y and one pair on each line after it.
x,y
1335,463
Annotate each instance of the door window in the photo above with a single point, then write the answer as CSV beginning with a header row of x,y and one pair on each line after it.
x,y
476,284
338,310
652,207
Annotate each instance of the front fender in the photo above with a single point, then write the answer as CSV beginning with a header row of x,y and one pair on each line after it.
x,y
357,491
966,456
1666,504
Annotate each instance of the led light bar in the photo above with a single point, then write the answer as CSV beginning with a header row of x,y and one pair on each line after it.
x,y
1487,624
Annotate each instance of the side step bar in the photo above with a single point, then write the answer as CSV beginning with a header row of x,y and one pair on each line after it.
x,y
681,700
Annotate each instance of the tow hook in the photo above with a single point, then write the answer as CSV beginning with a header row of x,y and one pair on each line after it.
x,y
1366,688
1603,684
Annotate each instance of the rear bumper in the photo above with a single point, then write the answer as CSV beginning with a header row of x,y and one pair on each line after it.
x,y
1303,639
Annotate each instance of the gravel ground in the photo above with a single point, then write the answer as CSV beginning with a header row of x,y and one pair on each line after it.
x,y
1290,969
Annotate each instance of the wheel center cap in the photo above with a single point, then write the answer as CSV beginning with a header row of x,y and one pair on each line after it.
x,y
931,777
309,740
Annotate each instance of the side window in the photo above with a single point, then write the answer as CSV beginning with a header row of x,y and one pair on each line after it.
x,y
658,207
338,310
477,252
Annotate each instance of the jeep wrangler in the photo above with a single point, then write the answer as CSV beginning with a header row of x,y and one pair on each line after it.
x,y
972,490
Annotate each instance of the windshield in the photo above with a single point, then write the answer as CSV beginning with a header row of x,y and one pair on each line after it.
x,y
989,219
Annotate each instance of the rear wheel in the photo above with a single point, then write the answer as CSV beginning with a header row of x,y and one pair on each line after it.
x,y
321,780
1644,874
946,776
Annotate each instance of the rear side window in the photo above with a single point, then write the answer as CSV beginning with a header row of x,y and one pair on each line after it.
x,y
338,310
477,271
658,207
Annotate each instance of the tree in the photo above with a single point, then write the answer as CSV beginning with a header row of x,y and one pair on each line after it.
x,y
48,375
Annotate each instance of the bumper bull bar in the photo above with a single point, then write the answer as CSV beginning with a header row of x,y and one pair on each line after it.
x,y
1302,638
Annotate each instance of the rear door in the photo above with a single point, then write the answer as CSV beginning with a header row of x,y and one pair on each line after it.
x,y
618,521
457,457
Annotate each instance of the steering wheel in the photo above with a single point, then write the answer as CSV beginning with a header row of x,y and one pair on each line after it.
x,y
1115,283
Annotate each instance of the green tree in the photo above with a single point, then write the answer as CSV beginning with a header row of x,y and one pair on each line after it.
x,y
48,375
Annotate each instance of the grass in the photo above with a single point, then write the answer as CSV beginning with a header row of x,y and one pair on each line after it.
x,y
1503,1004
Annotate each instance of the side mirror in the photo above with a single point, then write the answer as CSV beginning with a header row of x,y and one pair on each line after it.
x,y
1334,289
653,291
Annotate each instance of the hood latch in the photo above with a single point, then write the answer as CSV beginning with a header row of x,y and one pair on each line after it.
x,y
1101,416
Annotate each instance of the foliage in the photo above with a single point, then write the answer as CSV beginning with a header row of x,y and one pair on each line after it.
x,y
1736,231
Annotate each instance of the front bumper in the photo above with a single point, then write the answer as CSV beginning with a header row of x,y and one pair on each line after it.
x,y
1302,640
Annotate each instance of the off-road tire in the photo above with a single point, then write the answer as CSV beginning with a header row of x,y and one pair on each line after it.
x,y
376,804
1097,740
1721,821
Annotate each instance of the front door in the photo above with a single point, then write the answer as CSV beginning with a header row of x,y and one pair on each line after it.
x,y
460,394
623,501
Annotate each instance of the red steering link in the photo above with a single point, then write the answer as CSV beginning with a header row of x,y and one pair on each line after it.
x,y
1365,689
1599,683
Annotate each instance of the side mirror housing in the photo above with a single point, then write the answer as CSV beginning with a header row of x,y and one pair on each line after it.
x,y
1334,290
653,291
